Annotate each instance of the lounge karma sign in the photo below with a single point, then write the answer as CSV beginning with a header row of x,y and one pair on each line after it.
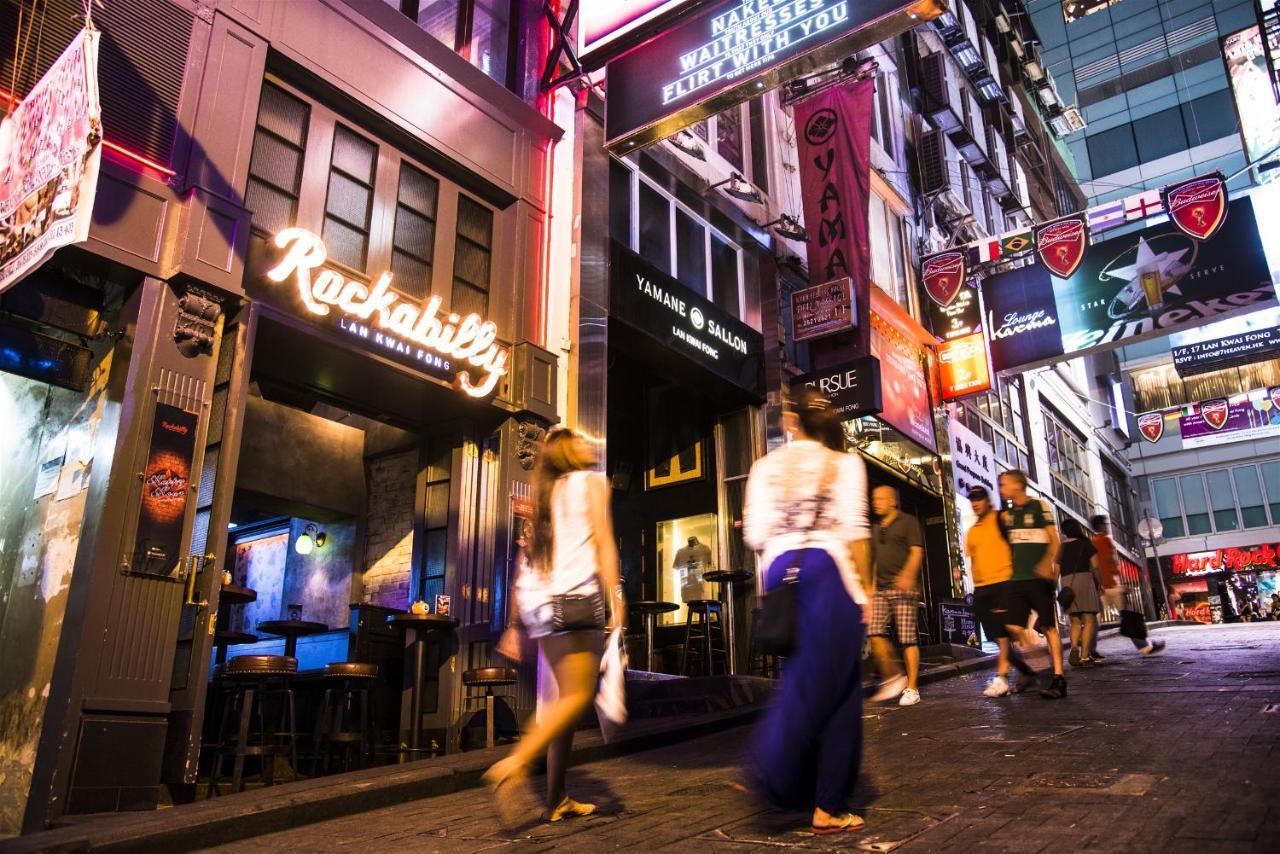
x,y
50,151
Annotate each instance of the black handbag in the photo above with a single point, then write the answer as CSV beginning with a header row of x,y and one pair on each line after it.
x,y
1133,625
576,612
776,626
1066,597
776,622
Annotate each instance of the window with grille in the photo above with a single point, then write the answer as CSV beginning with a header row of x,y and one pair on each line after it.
x,y
275,167
997,418
414,238
1119,507
472,256
348,207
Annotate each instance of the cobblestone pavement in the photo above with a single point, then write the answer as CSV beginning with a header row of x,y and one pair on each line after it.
x,y
1179,752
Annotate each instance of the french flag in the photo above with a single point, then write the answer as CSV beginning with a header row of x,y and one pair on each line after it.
x,y
984,251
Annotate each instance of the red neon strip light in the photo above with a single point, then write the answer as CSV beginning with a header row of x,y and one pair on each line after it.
x,y
114,146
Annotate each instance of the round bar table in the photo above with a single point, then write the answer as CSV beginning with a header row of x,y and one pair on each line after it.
x,y
422,626
291,630
650,611
727,578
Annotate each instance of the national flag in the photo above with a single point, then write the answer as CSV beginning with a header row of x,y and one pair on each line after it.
x,y
1016,243
984,251
1143,205
1105,217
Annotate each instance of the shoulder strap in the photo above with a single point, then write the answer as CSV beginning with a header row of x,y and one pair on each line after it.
x,y
1000,524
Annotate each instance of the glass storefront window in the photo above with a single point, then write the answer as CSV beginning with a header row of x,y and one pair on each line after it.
x,y
1165,493
1222,499
655,228
691,252
1194,503
686,550
1271,478
1249,494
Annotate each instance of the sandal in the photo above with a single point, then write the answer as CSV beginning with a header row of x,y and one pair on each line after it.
x,y
569,808
848,822
511,795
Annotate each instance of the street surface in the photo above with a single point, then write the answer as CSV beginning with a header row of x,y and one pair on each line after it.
x,y
1179,752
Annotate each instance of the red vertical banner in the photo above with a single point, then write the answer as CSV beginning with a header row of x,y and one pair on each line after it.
x,y
834,141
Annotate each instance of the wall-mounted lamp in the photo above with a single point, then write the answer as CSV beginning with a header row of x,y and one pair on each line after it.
x,y
737,186
686,142
789,227
312,538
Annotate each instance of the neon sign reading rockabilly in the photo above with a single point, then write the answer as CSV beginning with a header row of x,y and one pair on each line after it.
x,y
468,339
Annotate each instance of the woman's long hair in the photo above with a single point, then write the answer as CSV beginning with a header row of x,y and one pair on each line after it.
x,y
556,458
818,418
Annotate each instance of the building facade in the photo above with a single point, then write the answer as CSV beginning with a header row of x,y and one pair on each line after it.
x,y
1170,90
358,238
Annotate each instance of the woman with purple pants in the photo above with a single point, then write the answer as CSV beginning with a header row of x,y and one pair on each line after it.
x,y
806,512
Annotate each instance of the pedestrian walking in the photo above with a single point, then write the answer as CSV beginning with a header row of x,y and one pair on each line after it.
x,y
806,512
897,549
1133,624
991,562
565,594
1033,539
1077,567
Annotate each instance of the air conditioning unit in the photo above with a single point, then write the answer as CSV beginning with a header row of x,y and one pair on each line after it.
x,y
933,162
1002,20
1034,71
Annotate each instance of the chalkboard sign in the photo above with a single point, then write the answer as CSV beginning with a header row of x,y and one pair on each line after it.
x,y
959,624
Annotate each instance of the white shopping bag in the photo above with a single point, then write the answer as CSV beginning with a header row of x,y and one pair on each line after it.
x,y
611,698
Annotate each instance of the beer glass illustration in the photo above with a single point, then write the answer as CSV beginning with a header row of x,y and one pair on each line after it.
x,y
1153,288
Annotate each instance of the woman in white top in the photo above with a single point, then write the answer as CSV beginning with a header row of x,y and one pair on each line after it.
x,y
563,589
806,512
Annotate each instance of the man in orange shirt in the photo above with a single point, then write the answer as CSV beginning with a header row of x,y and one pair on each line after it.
x,y
1113,589
991,561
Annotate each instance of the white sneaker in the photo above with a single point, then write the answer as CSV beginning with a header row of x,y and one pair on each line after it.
x,y
997,687
890,689
909,697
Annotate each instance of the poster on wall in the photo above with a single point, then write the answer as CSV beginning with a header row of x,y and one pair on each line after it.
x,y
1220,421
50,150
823,310
904,384
973,463
166,484
1129,288
1256,107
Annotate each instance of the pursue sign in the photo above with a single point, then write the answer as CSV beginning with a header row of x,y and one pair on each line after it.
x,y
853,388
735,50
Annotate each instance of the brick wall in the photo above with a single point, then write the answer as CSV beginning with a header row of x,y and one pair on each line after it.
x,y
389,534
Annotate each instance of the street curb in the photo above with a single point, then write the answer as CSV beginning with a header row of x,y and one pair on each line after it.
x,y
1108,630
231,818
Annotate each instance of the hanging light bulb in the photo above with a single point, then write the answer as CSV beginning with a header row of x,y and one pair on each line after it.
x,y
309,540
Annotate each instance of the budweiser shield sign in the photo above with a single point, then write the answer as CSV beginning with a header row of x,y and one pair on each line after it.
x,y
943,276
1198,206
834,142
50,148
1060,244
1151,426
1214,413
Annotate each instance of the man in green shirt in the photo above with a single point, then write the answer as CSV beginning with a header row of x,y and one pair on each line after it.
x,y
1033,539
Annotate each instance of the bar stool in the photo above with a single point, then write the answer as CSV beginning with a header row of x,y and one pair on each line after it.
x,y
705,623
649,611
253,683
338,722
761,663
490,678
